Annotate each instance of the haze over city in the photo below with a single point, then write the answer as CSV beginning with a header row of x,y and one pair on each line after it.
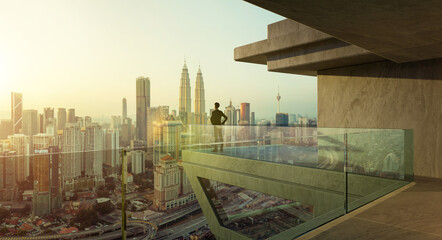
x,y
87,55
237,119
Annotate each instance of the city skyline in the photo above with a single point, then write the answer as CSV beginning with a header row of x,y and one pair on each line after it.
x,y
244,119
85,64
133,114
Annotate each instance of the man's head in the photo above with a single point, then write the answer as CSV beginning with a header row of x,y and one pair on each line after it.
x,y
216,105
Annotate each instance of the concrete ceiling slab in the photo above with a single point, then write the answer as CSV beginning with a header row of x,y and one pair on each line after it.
x,y
398,30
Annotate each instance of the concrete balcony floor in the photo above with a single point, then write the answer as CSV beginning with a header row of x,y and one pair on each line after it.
x,y
413,212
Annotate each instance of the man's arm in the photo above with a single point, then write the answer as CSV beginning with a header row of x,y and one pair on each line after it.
x,y
225,118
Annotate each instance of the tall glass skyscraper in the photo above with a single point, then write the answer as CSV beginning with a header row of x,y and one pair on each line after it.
x,y
231,114
185,98
61,118
143,103
30,126
200,102
245,114
16,112
124,115
71,116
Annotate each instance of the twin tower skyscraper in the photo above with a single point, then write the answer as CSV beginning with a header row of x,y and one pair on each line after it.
x,y
185,102
185,111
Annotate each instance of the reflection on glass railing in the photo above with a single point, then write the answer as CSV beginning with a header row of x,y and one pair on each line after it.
x,y
351,167
254,214
374,152
70,190
377,153
78,194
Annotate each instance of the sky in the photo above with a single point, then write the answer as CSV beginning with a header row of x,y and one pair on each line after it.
x,y
87,55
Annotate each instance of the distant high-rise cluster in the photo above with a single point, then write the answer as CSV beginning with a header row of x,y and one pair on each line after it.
x,y
61,153
54,154
168,139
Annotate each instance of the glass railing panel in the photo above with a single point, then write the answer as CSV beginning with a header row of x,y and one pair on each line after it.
x,y
254,214
378,162
310,171
295,146
75,194
172,204
78,192
357,165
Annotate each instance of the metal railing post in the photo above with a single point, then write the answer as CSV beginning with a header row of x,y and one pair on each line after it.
x,y
345,173
123,192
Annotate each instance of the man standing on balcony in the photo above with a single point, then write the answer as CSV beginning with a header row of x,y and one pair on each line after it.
x,y
218,130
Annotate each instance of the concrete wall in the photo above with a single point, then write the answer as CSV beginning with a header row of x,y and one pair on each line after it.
x,y
292,47
388,95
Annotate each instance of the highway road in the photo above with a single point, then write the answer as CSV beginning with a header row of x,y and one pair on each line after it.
x,y
142,230
181,230
161,220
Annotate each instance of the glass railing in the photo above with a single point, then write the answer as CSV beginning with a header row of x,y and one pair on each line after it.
x,y
291,180
255,214
53,194
280,182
